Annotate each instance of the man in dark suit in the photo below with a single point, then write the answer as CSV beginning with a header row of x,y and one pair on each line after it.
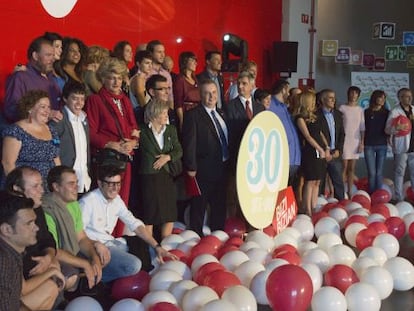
x,y
332,127
239,112
73,131
213,72
206,154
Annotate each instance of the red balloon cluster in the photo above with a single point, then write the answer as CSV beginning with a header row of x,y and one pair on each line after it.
x,y
205,270
289,288
164,306
380,196
364,238
363,200
135,286
235,226
287,252
396,226
362,183
220,280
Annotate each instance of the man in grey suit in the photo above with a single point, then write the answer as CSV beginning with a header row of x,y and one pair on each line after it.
x,y
73,132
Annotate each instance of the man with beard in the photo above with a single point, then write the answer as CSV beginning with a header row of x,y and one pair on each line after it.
x,y
38,76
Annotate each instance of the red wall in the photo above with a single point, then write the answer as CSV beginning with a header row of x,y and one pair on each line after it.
x,y
201,24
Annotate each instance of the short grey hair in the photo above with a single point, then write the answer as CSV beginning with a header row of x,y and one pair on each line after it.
x,y
153,109
246,74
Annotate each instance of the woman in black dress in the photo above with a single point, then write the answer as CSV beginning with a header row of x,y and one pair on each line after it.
x,y
314,146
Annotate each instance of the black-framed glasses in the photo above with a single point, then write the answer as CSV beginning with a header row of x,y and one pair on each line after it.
x,y
112,184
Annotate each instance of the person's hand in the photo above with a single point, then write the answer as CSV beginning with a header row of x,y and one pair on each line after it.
x,y
135,133
92,67
20,67
127,145
161,253
43,263
97,268
328,156
322,154
58,278
336,154
103,253
55,115
361,147
161,160
91,274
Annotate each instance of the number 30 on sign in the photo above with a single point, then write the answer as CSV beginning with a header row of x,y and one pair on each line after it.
x,y
262,168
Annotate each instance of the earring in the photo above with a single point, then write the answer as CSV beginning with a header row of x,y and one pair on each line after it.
x,y
30,117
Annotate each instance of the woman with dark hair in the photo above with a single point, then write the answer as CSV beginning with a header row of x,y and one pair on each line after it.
x,y
185,90
96,55
30,141
72,61
123,52
375,148
111,119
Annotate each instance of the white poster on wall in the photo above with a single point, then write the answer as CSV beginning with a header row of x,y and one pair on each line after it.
x,y
389,82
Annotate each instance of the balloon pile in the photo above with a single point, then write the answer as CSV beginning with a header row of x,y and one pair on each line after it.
x,y
344,257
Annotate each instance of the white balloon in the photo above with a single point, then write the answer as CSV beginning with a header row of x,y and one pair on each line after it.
x,y
361,264
393,210
341,254
231,260
318,257
178,289
282,239
189,235
292,231
206,230
83,303
241,297
304,246
304,216
261,238
274,263
376,253
248,245
339,214
173,240
259,255
375,217
327,225
258,287
402,272
351,232
328,298
127,304
197,297
388,243
221,235
362,297
327,240
359,211
247,270
352,206
202,260
408,219
186,246
162,280
177,266
315,274
380,278
320,202
218,304
362,192
305,228
157,296
404,208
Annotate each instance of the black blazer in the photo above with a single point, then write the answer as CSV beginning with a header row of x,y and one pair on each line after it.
x,y
205,75
67,140
339,128
202,145
238,122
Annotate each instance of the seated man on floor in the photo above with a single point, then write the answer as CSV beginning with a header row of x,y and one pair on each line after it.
x,y
101,209
64,220
17,231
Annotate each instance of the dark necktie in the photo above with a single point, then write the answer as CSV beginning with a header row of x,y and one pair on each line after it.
x,y
224,145
249,112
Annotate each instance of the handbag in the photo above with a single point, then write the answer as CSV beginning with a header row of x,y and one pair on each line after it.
x,y
111,157
175,167
108,156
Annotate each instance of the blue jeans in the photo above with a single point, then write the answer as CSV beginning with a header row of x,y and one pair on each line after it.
x,y
400,164
334,169
122,263
374,160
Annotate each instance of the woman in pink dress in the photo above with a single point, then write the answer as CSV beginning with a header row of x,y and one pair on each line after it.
x,y
354,126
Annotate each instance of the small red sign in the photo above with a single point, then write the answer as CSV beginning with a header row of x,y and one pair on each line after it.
x,y
286,209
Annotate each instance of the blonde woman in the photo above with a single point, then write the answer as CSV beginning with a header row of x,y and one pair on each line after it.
x,y
314,146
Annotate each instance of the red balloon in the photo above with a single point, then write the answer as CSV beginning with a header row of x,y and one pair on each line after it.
x,y
135,286
289,288
380,208
235,241
270,231
411,231
284,248
402,120
164,306
363,200
328,206
357,218
364,238
291,257
396,226
362,184
410,193
344,202
205,270
200,249
341,277
378,227
380,196
177,230
211,239
220,280
235,226
225,249
177,252
318,215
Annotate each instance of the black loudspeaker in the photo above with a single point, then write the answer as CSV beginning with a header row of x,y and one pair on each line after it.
x,y
285,56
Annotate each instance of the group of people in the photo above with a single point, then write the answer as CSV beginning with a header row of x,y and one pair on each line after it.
x,y
70,103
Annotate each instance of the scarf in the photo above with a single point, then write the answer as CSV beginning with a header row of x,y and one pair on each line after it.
x,y
65,228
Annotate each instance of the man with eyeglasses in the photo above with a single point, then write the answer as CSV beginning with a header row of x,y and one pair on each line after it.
x,y
101,209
